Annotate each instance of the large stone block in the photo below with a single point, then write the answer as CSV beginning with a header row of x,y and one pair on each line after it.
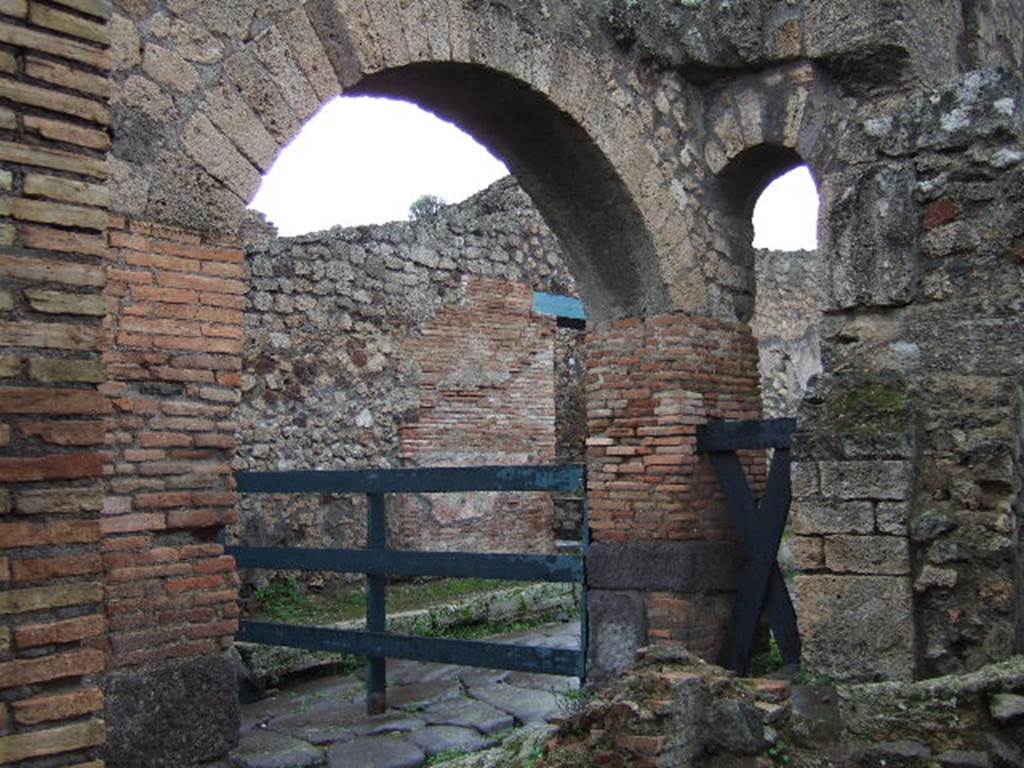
x,y
891,480
857,628
618,627
175,714
815,516
881,42
888,555
871,236
665,566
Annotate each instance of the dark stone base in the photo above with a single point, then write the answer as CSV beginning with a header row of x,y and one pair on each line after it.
x,y
664,566
171,715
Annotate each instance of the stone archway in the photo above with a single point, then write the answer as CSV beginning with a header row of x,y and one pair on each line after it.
x,y
899,473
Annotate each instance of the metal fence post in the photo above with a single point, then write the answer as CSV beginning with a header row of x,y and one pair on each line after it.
x,y
376,606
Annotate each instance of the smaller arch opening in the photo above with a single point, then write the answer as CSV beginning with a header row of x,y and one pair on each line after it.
x,y
785,216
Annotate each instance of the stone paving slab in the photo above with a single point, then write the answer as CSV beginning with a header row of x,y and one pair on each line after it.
x,y
317,728
471,676
422,695
342,721
553,683
441,738
469,713
376,752
433,708
266,749
527,705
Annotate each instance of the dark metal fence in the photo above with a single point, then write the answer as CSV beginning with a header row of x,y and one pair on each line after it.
x,y
378,562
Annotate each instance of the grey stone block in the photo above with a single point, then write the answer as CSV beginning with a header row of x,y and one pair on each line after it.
x,y
375,752
469,713
897,754
891,480
442,738
173,714
527,705
856,628
872,238
887,555
664,566
266,749
1005,707
819,516
618,627
804,478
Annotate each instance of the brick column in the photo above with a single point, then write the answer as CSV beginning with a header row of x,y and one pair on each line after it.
x,y
53,216
663,564
174,361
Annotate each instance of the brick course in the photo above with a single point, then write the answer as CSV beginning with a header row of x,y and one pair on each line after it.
x,y
53,220
649,383
169,597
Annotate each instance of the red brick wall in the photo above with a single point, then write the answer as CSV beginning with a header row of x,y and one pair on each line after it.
x,y
53,217
174,360
650,382
487,396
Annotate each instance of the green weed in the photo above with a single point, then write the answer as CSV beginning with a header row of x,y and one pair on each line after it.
x,y
446,756
767,662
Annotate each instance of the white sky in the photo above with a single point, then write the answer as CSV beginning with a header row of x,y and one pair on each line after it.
x,y
363,160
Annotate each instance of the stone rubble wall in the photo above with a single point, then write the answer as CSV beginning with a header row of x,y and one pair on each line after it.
x,y
404,344
642,148
786,322
673,709
908,478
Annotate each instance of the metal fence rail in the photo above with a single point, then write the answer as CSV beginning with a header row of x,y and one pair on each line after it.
x,y
378,562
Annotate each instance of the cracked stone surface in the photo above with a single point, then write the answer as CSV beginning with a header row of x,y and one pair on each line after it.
x,y
375,752
527,705
433,708
441,738
469,713
266,749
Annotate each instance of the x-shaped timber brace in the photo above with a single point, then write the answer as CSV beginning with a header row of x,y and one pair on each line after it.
x,y
759,528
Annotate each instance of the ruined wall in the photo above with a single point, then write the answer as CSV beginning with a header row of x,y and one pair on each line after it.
x,y
641,146
786,323
909,479
404,344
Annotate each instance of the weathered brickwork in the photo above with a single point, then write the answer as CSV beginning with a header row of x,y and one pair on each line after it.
x,y
650,383
486,378
54,123
173,359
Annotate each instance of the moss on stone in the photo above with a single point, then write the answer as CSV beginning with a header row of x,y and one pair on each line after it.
x,y
871,407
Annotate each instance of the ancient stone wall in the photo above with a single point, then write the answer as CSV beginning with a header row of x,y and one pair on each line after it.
x,y
910,474
405,344
642,147
786,323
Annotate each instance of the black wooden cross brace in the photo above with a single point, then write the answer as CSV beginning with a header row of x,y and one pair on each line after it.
x,y
759,527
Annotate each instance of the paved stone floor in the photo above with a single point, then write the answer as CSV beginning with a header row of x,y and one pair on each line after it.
x,y
432,708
